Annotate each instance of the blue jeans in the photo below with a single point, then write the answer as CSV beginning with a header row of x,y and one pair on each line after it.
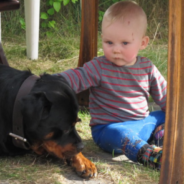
x,y
127,137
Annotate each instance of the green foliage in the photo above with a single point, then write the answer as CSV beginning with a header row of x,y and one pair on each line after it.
x,y
67,20
52,7
103,5
22,23
44,15
100,15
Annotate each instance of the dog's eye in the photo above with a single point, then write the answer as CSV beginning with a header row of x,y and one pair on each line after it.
x,y
57,134
67,131
70,129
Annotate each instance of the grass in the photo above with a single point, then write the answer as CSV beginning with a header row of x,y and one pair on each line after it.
x,y
28,169
60,53
56,55
158,55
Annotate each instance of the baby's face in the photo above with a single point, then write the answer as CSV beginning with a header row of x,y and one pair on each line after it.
x,y
121,40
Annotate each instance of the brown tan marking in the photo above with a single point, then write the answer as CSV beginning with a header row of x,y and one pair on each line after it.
x,y
38,149
48,136
57,150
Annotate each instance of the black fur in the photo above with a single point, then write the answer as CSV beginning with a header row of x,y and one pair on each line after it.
x,y
50,107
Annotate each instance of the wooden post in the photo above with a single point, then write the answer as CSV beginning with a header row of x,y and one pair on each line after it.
x,y
6,6
88,40
172,170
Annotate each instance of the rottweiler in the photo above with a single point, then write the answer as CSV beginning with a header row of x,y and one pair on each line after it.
x,y
49,115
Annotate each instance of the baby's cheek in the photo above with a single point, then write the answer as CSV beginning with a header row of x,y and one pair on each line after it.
x,y
107,54
130,55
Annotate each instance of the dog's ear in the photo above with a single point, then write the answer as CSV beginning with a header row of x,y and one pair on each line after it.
x,y
48,99
37,104
46,102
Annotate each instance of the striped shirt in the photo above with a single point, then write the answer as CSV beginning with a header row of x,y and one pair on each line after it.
x,y
118,93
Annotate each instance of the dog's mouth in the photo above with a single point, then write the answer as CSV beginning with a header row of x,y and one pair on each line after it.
x,y
51,147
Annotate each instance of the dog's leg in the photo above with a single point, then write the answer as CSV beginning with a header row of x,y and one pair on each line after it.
x,y
84,167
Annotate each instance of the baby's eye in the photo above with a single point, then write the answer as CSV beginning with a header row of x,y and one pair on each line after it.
x,y
109,42
125,43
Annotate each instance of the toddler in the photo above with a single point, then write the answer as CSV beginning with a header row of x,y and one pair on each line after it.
x,y
120,83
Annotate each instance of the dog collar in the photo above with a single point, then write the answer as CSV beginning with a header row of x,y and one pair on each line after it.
x,y
18,127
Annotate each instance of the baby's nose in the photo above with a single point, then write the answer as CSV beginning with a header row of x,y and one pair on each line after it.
x,y
116,49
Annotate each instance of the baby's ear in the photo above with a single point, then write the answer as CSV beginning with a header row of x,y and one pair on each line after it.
x,y
144,43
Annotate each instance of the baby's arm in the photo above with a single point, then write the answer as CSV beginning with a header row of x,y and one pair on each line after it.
x,y
82,78
158,88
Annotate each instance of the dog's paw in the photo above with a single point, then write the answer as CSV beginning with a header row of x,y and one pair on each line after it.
x,y
84,167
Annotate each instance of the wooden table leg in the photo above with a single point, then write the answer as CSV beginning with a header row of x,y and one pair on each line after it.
x,y
7,6
88,40
172,170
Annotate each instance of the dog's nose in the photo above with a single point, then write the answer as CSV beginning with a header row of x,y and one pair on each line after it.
x,y
80,147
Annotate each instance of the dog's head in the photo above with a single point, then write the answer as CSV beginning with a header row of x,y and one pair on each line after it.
x,y
49,116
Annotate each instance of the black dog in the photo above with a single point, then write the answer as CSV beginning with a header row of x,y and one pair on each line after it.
x,y
49,114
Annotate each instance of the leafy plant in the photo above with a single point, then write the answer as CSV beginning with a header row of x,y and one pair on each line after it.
x,y
100,15
22,23
54,6
103,5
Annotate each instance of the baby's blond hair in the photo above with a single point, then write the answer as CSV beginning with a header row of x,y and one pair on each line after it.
x,y
126,9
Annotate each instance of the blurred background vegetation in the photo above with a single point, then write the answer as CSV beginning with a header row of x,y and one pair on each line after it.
x,y
60,32
68,18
